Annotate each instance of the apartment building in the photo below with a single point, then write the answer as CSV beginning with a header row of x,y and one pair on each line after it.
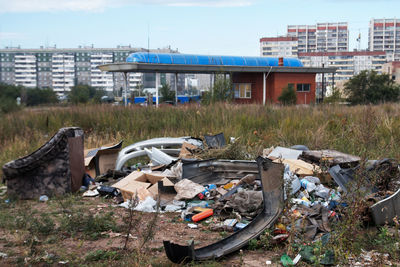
x,y
278,46
348,64
384,35
393,69
62,72
61,69
25,70
322,37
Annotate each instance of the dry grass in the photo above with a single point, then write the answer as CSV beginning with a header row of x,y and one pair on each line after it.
x,y
370,131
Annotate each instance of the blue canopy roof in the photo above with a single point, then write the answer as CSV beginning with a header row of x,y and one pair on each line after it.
x,y
188,59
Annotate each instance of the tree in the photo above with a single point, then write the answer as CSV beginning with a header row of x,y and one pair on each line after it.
x,y
166,93
84,93
37,96
288,96
8,97
369,87
222,90
335,97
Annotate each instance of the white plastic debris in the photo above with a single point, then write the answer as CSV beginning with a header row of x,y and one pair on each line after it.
x,y
172,208
312,179
192,226
3,255
291,180
284,153
175,206
158,157
148,205
296,259
43,198
91,193
174,171
268,262
230,222
322,191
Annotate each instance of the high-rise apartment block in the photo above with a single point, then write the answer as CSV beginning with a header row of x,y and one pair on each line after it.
x,y
278,46
348,64
384,35
61,69
323,37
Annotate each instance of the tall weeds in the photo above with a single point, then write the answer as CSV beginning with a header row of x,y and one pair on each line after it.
x,y
372,131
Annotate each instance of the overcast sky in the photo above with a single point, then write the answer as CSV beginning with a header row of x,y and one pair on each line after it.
x,y
225,27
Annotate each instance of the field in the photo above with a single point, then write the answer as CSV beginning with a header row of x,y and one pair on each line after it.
x,y
371,132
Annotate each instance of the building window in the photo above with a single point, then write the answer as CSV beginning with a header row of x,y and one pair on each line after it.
x,y
303,87
242,90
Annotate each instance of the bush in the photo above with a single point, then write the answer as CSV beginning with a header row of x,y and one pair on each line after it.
x,y
8,97
288,96
37,96
84,94
335,97
369,87
166,93
221,91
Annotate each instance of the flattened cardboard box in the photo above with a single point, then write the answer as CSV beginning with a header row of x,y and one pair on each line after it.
x,y
100,160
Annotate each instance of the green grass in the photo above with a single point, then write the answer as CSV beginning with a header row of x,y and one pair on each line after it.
x,y
369,131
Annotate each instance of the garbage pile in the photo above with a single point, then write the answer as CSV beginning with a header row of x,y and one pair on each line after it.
x,y
287,190
228,194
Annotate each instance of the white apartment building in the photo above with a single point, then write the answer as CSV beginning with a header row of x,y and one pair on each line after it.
x,y
322,37
384,35
63,72
348,64
61,68
135,80
101,79
25,70
278,46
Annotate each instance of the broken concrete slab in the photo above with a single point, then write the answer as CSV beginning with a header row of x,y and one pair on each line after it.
x,y
55,168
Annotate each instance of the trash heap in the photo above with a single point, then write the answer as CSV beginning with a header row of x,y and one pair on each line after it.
x,y
228,194
294,192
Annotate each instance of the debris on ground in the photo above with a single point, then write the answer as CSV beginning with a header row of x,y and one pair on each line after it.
x,y
295,194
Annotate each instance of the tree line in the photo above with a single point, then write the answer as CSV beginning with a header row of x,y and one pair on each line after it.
x,y
368,87
13,97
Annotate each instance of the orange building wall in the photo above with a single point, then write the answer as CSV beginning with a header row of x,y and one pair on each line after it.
x,y
274,85
281,80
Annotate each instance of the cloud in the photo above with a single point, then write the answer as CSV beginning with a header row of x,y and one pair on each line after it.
x,y
22,6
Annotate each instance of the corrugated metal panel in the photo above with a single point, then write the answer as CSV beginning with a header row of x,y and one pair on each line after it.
x,y
188,59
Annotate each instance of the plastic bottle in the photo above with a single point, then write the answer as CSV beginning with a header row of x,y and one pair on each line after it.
x,y
202,215
309,186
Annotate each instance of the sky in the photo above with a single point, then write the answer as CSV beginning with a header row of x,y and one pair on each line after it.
x,y
213,27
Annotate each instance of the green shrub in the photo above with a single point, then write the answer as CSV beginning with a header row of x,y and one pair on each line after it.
x,y
288,96
166,93
37,96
